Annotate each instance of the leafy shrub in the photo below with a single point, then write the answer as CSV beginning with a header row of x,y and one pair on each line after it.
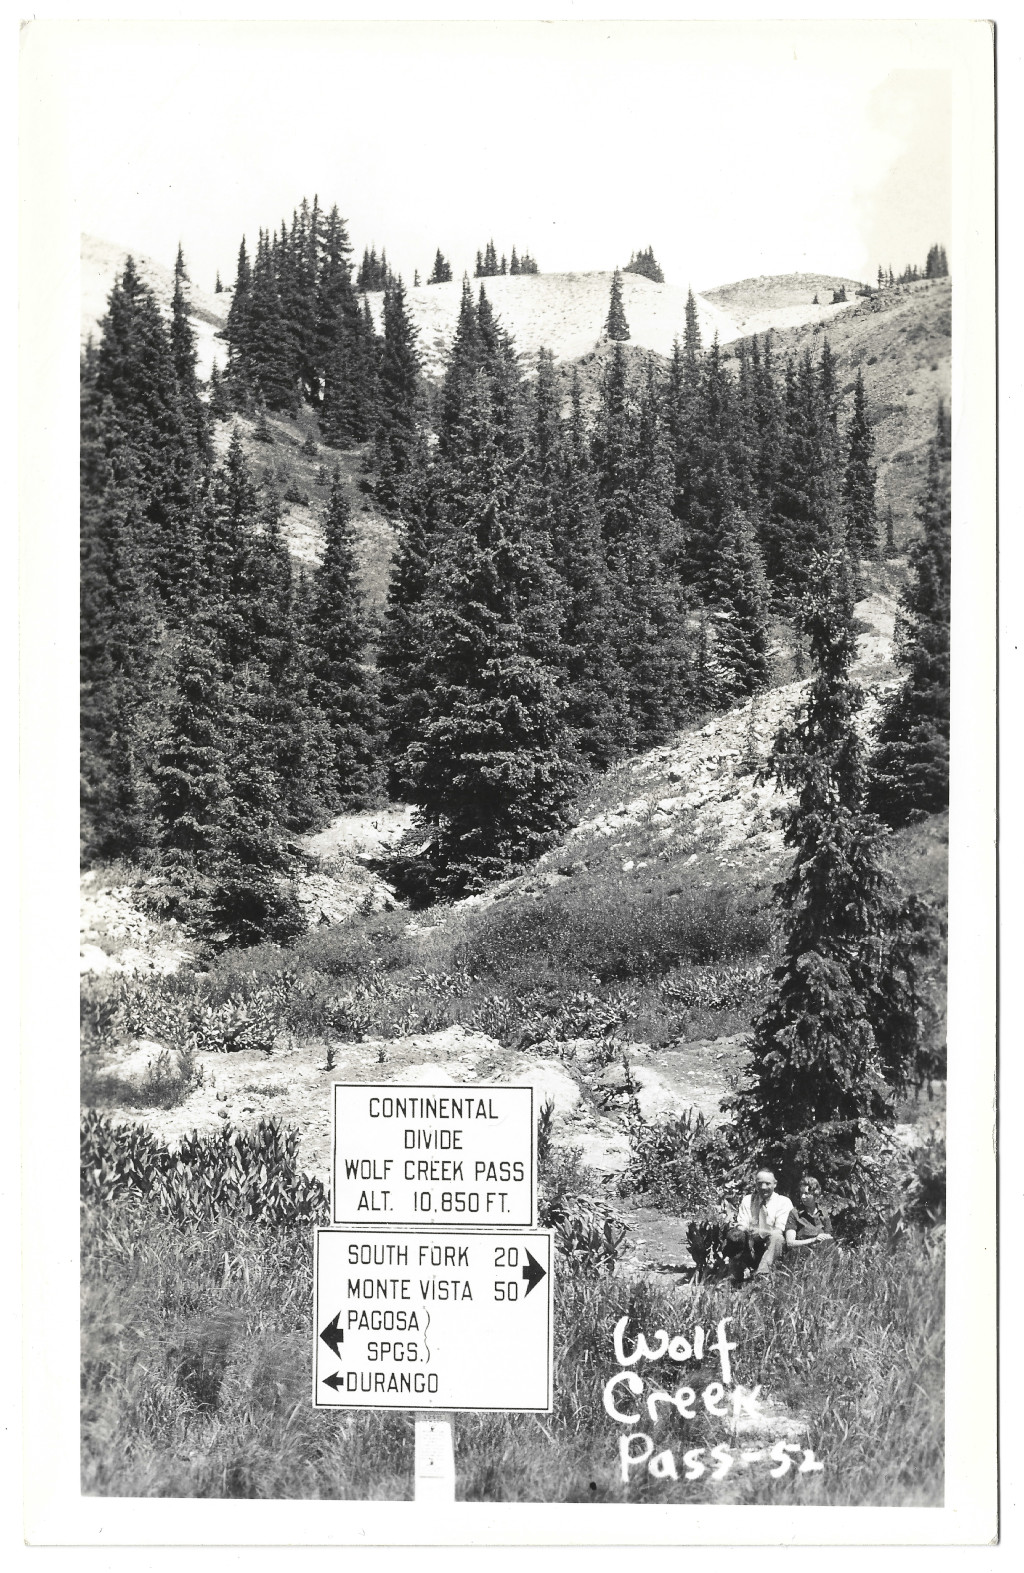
x,y
706,1239
177,1011
718,988
590,1239
586,1233
545,1131
295,494
682,1163
582,1015
500,1018
924,1194
245,1174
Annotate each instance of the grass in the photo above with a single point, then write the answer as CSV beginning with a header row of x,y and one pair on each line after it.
x,y
164,1084
196,1379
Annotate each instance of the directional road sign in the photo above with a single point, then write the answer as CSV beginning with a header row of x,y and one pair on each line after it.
x,y
438,1320
440,1157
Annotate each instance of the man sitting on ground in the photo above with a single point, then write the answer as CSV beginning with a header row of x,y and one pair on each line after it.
x,y
756,1239
808,1223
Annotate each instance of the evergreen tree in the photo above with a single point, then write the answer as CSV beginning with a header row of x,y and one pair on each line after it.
x,y
398,447
343,685
805,514
514,264
135,371
859,479
236,331
406,633
634,493
643,263
191,773
769,426
616,326
218,288
493,770
468,354
118,645
306,755
839,1036
910,764
890,533
270,355
183,353
374,273
691,332
299,290
343,358
705,491
596,694
739,595
218,402
441,273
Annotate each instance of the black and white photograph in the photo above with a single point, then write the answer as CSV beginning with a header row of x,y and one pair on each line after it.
x,y
531,752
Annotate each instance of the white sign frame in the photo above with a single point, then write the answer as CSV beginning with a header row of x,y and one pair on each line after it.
x,y
509,1239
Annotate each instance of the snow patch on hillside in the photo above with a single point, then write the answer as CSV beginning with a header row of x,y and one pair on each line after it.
x,y
562,312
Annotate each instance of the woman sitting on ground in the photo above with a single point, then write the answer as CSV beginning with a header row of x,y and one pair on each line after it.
x,y
808,1222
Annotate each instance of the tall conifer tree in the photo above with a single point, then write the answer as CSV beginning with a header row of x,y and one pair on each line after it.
x,y
343,685
859,479
910,764
616,326
398,445
839,1037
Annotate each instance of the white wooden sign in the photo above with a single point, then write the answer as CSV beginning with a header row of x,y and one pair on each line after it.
x,y
438,1320
437,1157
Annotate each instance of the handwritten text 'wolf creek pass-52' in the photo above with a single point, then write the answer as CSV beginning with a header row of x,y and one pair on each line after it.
x,y
627,1396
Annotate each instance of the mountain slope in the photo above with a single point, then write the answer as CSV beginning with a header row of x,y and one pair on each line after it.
x,y
565,313
901,342
779,300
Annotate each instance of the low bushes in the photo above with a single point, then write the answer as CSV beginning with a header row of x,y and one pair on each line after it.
x,y
247,1174
685,1164
164,1084
601,931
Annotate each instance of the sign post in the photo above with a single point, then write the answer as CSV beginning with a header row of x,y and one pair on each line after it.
x,y
435,1460
432,1286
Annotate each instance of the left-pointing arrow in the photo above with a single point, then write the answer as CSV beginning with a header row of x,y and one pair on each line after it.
x,y
334,1381
333,1336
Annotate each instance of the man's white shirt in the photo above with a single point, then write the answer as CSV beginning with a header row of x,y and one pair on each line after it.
x,y
756,1214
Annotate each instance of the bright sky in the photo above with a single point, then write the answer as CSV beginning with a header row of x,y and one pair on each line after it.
x,y
733,149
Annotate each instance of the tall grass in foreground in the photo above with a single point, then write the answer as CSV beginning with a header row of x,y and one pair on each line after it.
x,y
197,1348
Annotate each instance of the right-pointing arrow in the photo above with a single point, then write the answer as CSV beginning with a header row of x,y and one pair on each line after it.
x,y
533,1272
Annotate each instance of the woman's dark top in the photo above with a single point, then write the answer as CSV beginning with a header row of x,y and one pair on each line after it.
x,y
809,1225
